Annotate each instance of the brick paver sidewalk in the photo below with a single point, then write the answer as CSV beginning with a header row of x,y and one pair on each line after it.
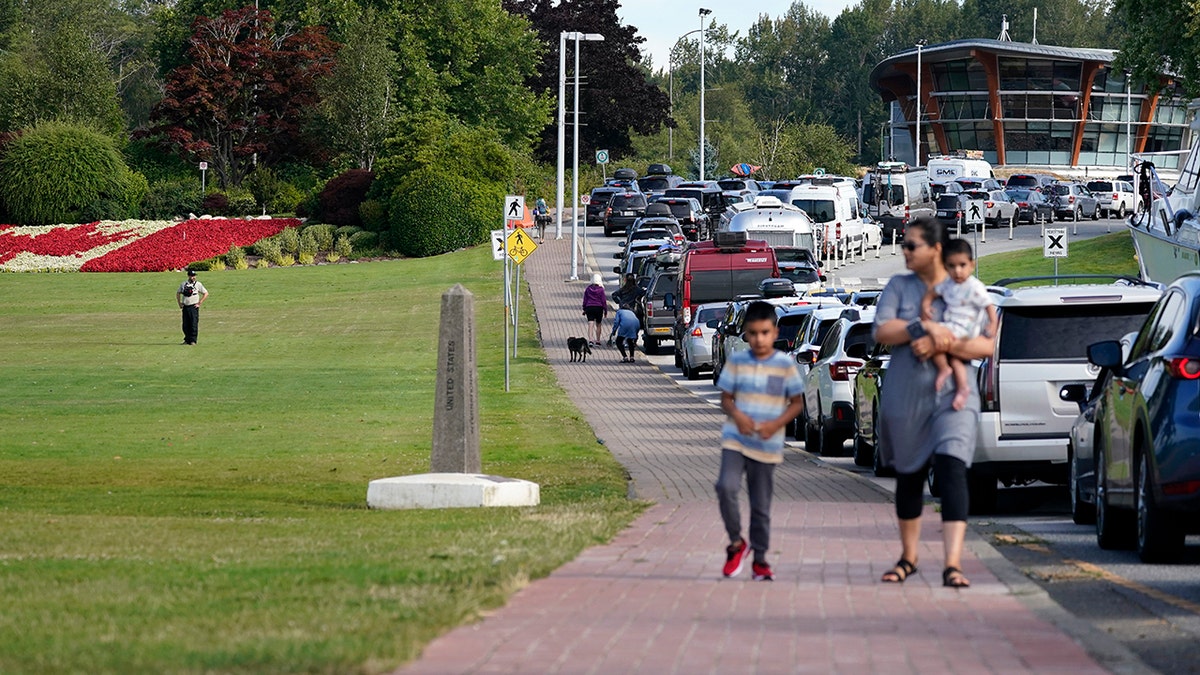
x,y
653,600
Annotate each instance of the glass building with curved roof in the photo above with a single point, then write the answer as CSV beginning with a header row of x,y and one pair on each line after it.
x,y
1030,105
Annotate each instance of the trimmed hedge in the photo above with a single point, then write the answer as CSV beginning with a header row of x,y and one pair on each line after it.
x,y
435,211
55,172
339,201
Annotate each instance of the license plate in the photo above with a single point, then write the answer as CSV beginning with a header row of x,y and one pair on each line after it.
x,y
665,329
943,213
629,213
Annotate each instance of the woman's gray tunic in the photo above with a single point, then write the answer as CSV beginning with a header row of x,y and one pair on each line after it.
x,y
914,422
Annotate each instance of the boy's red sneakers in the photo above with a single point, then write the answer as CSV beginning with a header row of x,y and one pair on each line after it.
x,y
762,572
735,557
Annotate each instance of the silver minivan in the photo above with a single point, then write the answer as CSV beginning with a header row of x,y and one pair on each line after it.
x,y
895,194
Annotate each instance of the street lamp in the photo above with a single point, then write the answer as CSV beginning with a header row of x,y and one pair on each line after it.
x,y
562,120
671,93
703,13
1128,121
920,44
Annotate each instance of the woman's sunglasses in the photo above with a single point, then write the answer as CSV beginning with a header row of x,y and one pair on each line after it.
x,y
912,245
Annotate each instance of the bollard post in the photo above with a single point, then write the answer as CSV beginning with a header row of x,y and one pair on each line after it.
x,y
1010,225
456,399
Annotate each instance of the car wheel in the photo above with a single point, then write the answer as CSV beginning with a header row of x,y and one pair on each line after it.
x,y
881,470
1158,539
812,439
983,491
650,345
678,356
1113,529
1077,215
831,444
1121,211
608,232
1082,512
1096,213
692,373
716,373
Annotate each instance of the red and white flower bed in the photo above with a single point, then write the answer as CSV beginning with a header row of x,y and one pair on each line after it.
x,y
128,246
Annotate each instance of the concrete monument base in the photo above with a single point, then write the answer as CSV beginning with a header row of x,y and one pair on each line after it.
x,y
450,491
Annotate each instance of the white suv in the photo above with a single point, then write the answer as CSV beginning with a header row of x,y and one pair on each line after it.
x,y
829,384
1115,195
1041,347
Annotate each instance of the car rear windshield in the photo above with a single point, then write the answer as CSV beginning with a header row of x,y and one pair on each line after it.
x,y
1100,186
948,202
793,255
708,314
732,184
1022,181
628,201
799,274
654,183
680,209
650,233
600,197
820,210
1058,189
663,284
719,285
1063,332
870,195
1019,194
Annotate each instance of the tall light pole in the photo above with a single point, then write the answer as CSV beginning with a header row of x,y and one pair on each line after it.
x,y
920,44
1128,121
671,93
562,120
703,13
589,37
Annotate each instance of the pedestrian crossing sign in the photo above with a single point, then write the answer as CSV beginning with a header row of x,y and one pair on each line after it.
x,y
520,246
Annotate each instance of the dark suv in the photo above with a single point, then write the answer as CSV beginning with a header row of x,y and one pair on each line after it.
x,y
711,199
690,215
622,210
658,322
599,202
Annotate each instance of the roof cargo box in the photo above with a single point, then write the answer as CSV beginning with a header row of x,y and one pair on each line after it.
x,y
730,240
625,174
658,170
777,288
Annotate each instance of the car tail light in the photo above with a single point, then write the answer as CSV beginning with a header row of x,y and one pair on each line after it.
x,y
906,215
1185,368
687,314
649,309
696,332
842,371
1070,199
1023,205
989,204
838,231
608,211
1116,197
1185,488
989,385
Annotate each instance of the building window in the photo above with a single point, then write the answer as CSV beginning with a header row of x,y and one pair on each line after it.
x,y
1039,75
961,75
1038,143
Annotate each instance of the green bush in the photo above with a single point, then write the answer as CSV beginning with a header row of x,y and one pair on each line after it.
x,y
347,230
307,258
54,171
173,197
236,256
241,203
272,192
434,210
332,256
373,214
308,243
268,249
289,240
323,233
285,260
363,240
309,204
342,247
211,265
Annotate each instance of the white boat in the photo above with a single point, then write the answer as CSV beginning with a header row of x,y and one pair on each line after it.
x,y
1166,237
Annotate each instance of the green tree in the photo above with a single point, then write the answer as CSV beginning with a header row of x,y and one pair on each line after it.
x,y
783,61
358,98
1163,36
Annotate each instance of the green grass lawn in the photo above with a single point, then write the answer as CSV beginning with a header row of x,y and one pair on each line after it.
x,y
202,509
1109,254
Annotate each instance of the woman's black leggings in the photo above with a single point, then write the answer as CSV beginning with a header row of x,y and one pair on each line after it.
x,y
951,480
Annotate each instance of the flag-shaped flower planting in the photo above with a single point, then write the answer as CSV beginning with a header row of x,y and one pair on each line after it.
x,y
128,246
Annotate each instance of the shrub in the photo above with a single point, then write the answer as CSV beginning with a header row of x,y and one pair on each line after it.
x,y
215,203
175,197
271,192
308,205
103,209
363,240
308,243
268,249
373,214
285,260
435,211
307,258
241,264
55,170
241,202
289,240
209,265
346,230
342,247
263,264
339,201
323,233
235,256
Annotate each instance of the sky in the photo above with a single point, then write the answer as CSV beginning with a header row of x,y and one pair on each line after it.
x,y
661,22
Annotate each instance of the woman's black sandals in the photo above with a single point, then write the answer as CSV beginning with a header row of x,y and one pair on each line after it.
x,y
901,571
952,577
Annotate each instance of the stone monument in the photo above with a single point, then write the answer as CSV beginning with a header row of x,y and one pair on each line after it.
x,y
455,461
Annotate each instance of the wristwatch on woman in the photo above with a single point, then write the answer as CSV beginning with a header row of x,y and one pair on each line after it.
x,y
915,330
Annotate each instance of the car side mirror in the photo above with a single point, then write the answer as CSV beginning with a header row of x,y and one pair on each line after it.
x,y
618,255
669,301
617,269
621,244
1105,354
822,277
712,323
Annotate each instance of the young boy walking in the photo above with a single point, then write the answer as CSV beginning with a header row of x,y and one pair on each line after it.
x,y
761,392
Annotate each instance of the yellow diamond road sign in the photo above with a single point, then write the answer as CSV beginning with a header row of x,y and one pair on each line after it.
x,y
520,246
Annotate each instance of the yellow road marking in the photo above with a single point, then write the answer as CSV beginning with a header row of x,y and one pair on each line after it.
x,y
1180,603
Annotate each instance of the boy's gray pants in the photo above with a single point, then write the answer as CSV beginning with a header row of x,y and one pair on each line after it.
x,y
760,480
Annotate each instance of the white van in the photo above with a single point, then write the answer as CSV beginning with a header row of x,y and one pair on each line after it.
x,y
776,223
949,167
834,210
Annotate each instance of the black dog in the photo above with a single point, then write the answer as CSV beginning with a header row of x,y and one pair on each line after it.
x,y
579,349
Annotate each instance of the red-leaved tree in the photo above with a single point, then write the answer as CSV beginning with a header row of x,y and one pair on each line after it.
x,y
244,92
